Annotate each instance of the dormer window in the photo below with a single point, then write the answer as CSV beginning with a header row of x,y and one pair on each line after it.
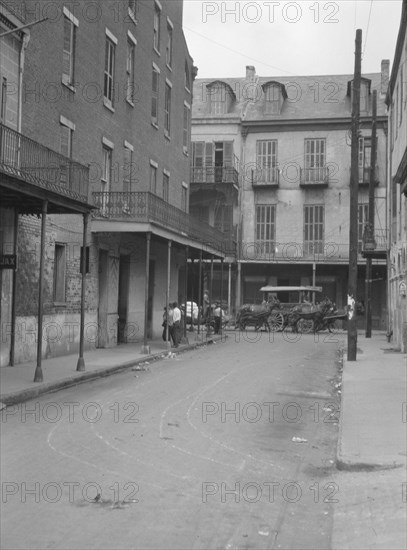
x,y
365,84
274,94
220,96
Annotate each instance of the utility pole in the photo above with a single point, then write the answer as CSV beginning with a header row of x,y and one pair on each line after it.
x,y
370,227
353,200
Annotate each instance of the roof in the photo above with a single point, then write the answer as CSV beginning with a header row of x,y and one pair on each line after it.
x,y
309,97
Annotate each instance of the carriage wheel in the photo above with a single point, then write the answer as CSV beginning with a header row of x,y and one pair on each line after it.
x,y
276,321
305,326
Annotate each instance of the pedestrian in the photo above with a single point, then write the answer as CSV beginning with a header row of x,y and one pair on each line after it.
x,y
170,320
164,325
218,314
176,324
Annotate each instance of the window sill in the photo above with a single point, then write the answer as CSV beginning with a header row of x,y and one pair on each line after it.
x,y
108,105
68,85
155,125
156,51
187,89
167,135
131,103
59,304
169,67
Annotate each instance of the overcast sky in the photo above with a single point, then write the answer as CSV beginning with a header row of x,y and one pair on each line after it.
x,y
289,38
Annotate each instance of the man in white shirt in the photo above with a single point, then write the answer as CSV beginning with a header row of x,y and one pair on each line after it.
x,y
177,324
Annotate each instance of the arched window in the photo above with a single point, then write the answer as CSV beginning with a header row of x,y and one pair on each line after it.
x,y
220,97
275,94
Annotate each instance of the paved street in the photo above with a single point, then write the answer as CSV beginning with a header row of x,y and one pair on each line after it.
x,y
228,446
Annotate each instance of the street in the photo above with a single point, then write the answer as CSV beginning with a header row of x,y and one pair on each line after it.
x,y
229,446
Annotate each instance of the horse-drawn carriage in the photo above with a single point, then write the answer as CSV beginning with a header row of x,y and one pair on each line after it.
x,y
301,316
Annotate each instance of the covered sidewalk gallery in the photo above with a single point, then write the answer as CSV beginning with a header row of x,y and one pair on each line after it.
x,y
144,259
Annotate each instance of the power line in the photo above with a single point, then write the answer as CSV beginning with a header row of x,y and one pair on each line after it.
x,y
367,29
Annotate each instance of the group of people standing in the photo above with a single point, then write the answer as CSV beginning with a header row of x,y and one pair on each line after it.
x,y
173,318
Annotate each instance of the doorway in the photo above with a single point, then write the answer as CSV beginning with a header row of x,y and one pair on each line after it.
x,y
124,278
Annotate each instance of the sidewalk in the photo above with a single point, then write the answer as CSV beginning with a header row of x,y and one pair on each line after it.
x,y
370,511
16,383
372,428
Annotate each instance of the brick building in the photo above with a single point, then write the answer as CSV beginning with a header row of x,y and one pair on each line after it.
x,y
292,139
397,187
115,95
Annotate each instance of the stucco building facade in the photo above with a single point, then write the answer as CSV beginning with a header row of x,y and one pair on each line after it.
x,y
292,139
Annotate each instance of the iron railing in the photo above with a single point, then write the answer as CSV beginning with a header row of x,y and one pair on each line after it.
x,y
214,174
27,159
292,252
374,240
145,207
314,176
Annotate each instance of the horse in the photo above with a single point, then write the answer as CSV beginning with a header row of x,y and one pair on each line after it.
x,y
256,314
310,312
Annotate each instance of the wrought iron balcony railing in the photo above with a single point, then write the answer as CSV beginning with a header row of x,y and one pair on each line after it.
x,y
30,161
364,175
374,240
315,176
143,206
214,174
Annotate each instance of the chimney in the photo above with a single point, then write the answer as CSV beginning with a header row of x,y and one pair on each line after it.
x,y
385,76
250,72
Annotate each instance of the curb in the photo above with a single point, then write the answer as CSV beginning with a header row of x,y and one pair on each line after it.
x,y
13,398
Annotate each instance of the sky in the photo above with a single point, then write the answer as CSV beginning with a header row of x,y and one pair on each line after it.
x,y
284,38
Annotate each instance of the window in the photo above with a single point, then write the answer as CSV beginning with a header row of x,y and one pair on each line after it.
x,y
133,9
363,218
313,229
127,167
153,177
3,100
107,167
217,99
157,27
402,84
315,170
167,109
266,161
187,117
65,147
109,72
364,97
68,59
273,94
154,95
59,273
265,227
131,49
365,148
166,186
187,78
184,197
168,51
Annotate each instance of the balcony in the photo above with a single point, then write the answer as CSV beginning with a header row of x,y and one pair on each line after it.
x,y
364,175
145,207
374,243
266,178
214,174
40,172
318,176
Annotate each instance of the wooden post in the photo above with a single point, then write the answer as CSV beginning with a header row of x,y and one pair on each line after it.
x,y
146,348
13,296
186,295
167,300
229,288
81,361
353,207
209,317
368,282
199,291
221,295
38,376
